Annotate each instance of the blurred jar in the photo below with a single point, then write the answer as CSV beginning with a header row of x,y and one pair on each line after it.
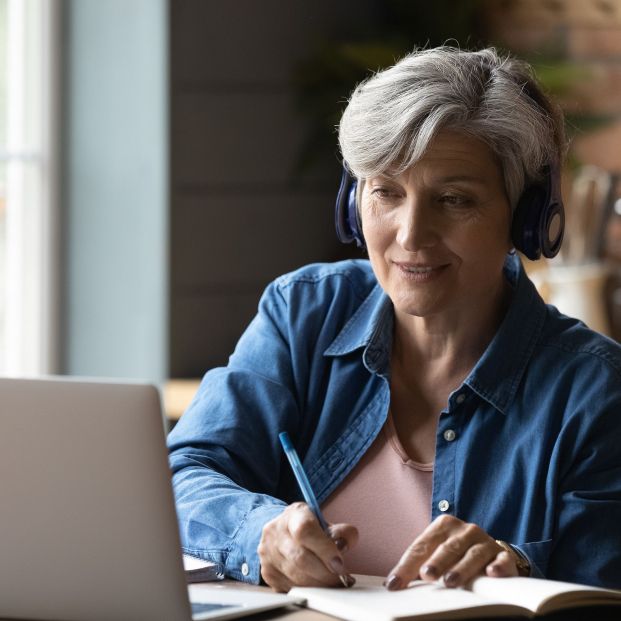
x,y
613,297
578,291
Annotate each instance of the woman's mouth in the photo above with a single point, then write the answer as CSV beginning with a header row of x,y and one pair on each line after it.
x,y
420,272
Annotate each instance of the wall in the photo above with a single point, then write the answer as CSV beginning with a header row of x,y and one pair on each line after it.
x,y
240,214
115,190
586,33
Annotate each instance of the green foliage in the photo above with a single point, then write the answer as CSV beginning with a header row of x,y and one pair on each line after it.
x,y
323,81
559,76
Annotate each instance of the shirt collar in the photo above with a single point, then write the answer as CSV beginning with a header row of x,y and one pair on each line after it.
x,y
369,327
496,376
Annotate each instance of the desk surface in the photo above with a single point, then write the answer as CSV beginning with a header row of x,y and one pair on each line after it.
x,y
291,613
177,394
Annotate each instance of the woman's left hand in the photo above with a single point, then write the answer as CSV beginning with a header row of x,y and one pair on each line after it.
x,y
453,550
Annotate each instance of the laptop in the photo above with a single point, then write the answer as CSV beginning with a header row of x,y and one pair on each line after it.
x,y
88,529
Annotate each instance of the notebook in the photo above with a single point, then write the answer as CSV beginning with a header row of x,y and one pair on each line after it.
x,y
88,529
485,597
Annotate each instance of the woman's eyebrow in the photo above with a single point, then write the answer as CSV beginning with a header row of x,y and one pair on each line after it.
x,y
382,179
463,178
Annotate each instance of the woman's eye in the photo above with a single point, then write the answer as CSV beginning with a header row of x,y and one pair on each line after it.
x,y
454,200
382,193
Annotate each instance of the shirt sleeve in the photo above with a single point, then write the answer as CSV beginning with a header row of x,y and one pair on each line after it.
x,y
588,535
224,451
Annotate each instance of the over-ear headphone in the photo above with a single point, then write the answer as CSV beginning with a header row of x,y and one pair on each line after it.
x,y
538,221
347,215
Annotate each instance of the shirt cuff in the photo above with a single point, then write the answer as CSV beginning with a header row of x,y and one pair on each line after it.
x,y
242,561
535,572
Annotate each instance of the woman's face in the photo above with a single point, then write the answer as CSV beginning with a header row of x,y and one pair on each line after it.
x,y
438,234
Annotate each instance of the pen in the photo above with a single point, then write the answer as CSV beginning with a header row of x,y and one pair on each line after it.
x,y
306,489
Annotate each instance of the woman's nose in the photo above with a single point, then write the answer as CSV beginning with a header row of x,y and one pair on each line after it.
x,y
416,228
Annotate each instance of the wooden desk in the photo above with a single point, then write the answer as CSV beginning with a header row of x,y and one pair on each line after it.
x,y
177,394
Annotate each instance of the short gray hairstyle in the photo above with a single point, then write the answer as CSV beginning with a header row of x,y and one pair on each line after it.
x,y
392,116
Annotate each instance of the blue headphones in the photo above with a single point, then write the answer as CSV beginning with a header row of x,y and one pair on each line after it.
x,y
538,220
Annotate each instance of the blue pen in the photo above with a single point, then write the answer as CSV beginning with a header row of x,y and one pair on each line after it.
x,y
306,489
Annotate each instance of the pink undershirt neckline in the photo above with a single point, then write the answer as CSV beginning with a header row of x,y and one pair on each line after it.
x,y
387,496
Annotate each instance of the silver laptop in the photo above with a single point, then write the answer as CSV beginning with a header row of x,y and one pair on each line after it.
x,y
88,529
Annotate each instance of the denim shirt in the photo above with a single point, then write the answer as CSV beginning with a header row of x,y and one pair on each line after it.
x,y
533,457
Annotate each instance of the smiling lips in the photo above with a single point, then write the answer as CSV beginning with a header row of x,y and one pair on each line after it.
x,y
420,272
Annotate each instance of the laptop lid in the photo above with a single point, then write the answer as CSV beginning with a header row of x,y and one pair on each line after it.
x,y
88,529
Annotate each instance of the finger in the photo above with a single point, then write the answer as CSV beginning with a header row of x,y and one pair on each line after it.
x,y
280,552
445,556
503,566
473,563
345,536
303,567
455,548
419,551
307,532
275,579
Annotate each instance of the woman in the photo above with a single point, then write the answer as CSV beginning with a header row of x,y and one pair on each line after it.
x,y
451,423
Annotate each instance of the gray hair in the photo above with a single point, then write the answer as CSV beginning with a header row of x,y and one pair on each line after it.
x,y
392,117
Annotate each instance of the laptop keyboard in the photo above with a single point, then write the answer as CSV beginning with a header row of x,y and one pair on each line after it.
x,y
198,607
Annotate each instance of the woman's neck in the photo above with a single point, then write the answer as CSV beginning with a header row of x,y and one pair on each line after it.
x,y
452,342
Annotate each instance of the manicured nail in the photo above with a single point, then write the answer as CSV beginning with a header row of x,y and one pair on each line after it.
x,y
430,571
341,544
337,566
451,578
392,583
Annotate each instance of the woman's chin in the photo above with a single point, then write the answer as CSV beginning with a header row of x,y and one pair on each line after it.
x,y
419,307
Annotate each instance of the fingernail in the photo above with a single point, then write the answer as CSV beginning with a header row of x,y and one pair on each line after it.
x,y
430,571
350,581
494,568
392,583
451,578
337,566
341,544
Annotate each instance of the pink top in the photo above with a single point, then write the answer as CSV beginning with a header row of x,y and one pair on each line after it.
x,y
387,496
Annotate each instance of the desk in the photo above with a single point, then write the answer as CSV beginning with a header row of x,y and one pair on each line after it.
x,y
292,613
177,394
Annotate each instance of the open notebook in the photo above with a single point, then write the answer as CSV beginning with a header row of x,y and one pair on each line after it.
x,y
487,597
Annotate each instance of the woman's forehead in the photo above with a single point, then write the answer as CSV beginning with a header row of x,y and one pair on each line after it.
x,y
450,155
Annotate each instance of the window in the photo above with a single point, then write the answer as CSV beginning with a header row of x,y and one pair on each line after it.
x,y
28,222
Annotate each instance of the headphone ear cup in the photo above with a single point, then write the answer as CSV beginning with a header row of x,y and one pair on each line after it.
x,y
347,218
539,219
525,227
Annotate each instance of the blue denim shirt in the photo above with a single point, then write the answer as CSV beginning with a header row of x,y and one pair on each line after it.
x,y
536,457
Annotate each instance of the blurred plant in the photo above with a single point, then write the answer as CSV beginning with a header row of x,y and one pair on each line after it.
x,y
559,77
323,81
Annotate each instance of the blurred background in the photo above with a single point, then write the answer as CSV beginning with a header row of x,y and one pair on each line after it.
x,y
162,161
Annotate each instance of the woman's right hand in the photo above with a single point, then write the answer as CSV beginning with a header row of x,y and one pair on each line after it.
x,y
295,551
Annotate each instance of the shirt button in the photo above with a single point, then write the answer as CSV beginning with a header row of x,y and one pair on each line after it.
x,y
245,569
460,398
449,435
443,505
